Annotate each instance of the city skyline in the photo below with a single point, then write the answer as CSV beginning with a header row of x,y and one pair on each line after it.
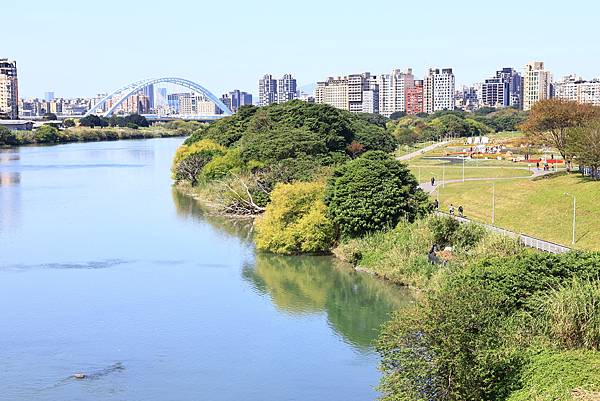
x,y
78,66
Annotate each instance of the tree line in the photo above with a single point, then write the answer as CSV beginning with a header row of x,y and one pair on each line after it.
x,y
570,127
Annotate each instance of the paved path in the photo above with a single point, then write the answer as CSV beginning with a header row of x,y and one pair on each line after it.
x,y
427,187
419,152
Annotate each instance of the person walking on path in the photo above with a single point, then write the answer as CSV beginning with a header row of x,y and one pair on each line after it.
x,y
460,211
451,209
436,205
433,181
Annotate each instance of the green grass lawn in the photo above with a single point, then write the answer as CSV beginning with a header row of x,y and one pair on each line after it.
x,y
539,208
406,149
455,172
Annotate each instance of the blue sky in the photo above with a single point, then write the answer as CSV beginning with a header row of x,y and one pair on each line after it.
x,y
80,48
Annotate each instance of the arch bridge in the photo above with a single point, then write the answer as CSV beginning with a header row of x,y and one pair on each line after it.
x,y
123,93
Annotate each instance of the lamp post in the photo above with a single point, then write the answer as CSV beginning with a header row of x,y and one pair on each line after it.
x,y
493,203
574,216
463,169
444,176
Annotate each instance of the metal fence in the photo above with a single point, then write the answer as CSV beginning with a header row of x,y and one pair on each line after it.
x,y
590,172
526,240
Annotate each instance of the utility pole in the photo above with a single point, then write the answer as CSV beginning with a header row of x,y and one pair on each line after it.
x,y
574,217
463,169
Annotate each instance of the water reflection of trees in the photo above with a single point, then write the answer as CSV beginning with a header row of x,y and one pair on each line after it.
x,y
189,208
356,304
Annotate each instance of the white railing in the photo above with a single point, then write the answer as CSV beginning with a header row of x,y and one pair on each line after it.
x,y
526,240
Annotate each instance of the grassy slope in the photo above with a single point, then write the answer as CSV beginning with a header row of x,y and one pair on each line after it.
x,y
539,208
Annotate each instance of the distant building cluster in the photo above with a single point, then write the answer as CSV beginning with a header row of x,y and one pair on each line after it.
x,y
271,90
396,92
400,91
236,99
387,94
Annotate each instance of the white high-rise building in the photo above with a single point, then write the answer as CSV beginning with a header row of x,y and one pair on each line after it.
x,y
386,103
370,97
267,90
537,84
575,88
438,90
286,89
9,89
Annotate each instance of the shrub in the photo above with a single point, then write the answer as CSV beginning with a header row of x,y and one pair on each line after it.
x,y
470,338
222,165
372,193
572,314
443,229
46,134
8,137
295,220
560,376
190,160
454,347
399,255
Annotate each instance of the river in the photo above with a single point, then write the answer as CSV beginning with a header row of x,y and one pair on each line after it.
x,y
106,270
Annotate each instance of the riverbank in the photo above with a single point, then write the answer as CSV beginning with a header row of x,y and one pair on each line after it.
x,y
70,135
487,307
142,260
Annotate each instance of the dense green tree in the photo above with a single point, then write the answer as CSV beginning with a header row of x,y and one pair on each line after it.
x,y
8,137
375,119
137,119
46,134
397,115
550,122
93,121
373,193
585,145
69,123
295,220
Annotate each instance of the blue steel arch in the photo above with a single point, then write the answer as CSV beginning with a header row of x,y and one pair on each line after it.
x,y
128,90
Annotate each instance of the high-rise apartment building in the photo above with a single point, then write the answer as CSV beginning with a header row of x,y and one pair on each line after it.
x,y
468,98
503,90
9,89
196,104
334,92
286,89
537,84
386,101
267,90
370,97
235,99
414,98
577,89
148,91
401,81
357,93
438,90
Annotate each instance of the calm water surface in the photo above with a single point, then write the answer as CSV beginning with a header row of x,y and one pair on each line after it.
x,y
106,270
